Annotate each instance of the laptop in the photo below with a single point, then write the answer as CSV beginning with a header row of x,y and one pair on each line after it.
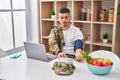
x,y
38,52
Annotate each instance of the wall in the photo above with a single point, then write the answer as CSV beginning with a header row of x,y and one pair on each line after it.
x,y
34,21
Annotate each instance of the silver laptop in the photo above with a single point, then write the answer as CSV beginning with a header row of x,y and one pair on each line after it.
x,y
38,52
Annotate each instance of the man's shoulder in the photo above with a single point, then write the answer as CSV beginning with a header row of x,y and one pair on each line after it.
x,y
74,27
57,27
56,30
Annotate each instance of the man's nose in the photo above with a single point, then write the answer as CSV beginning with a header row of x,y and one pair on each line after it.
x,y
64,19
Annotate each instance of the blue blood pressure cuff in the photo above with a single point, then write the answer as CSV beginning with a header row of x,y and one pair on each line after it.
x,y
78,44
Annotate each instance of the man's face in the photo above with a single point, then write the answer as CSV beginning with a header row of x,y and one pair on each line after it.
x,y
64,19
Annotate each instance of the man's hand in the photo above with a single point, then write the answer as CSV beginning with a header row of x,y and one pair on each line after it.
x,y
62,55
78,55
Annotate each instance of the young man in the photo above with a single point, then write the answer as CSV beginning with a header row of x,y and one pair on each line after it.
x,y
65,38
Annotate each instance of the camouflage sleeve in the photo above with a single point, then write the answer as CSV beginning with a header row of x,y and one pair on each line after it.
x,y
53,45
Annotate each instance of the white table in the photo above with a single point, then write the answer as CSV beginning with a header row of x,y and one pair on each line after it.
x,y
23,68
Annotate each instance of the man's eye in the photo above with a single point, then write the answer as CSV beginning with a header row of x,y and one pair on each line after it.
x,y
61,17
66,17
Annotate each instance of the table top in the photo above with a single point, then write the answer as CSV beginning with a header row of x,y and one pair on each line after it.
x,y
23,68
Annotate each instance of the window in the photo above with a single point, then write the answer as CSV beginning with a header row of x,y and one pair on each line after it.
x,y
13,25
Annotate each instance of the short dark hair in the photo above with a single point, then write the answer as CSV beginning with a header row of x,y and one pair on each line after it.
x,y
64,10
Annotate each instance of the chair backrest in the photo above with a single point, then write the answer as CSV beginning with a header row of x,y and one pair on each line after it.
x,y
2,53
107,54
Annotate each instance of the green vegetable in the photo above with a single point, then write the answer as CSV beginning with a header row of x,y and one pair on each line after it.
x,y
86,55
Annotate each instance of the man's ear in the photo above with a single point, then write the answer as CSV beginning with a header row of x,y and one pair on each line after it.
x,y
70,17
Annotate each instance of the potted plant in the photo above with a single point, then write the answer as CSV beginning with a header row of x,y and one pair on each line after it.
x,y
105,37
118,13
53,14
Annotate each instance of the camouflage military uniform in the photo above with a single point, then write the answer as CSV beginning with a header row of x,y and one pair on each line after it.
x,y
56,40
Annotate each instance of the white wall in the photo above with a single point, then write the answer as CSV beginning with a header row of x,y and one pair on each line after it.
x,y
34,21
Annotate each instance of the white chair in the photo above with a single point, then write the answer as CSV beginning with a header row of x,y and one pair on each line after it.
x,y
2,53
107,54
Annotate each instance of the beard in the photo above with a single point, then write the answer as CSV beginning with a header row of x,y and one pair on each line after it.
x,y
65,24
